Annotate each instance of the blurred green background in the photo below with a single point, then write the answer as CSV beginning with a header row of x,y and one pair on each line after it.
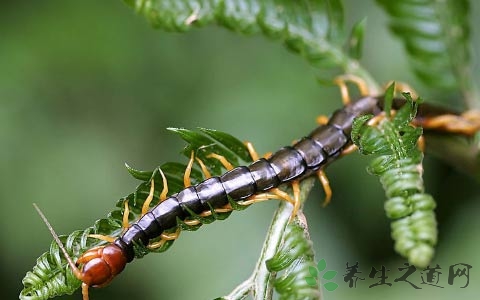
x,y
87,85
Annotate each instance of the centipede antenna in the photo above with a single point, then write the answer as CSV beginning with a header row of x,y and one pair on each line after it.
x,y
72,265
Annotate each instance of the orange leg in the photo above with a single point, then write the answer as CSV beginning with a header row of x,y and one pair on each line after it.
x,y
226,164
296,198
192,222
326,187
322,120
349,150
251,150
102,237
278,194
204,168
125,225
186,177
274,193
126,212
377,119
163,194
224,209
146,204
421,143
342,80
164,238
253,153
468,123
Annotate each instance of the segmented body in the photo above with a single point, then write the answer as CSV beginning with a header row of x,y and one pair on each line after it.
x,y
290,163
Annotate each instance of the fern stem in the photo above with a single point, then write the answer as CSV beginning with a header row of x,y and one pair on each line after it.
x,y
470,92
262,278
240,292
261,282
353,67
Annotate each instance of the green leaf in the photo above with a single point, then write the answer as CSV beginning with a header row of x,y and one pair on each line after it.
x,y
436,36
330,286
389,99
210,141
329,275
355,42
234,145
313,271
137,174
321,265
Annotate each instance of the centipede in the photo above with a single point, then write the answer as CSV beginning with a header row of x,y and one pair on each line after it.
x,y
238,187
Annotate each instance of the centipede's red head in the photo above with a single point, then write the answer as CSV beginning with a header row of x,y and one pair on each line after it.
x,y
101,264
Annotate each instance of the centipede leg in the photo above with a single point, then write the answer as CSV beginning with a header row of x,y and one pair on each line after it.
x,y
102,237
322,120
421,143
251,150
164,238
326,187
164,193
148,200
204,168
126,212
296,198
207,213
467,123
274,193
342,80
377,119
278,194
125,225
349,150
186,176
192,222
253,153
226,164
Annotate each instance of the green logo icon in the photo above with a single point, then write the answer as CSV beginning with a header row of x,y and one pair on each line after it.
x,y
328,275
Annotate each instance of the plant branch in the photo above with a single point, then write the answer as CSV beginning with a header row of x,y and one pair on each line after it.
x,y
260,283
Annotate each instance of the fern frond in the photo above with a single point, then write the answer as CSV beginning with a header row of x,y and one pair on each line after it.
x,y
295,257
436,35
52,277
312,28
399,167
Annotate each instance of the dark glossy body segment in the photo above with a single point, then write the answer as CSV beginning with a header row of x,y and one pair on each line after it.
x,y
289,163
